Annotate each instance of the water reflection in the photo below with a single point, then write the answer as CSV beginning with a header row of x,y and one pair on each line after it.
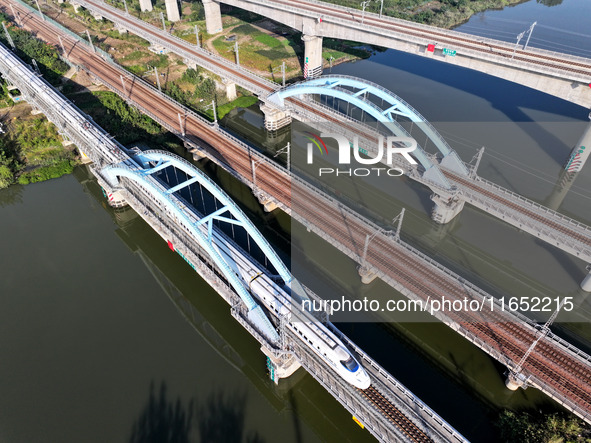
x,y
163,420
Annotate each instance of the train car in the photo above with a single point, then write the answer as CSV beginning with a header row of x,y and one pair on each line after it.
x,y
318,338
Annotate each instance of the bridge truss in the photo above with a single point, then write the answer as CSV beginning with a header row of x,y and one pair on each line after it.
x,y
366,95
144,170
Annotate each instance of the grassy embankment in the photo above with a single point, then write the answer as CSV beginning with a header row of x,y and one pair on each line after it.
x,y
131,52
441,13
30,147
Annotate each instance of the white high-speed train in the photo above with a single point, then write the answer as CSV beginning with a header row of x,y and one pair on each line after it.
x,y
313,333
326,345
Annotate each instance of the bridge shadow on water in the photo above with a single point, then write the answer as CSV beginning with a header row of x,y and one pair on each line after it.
x,y
217,418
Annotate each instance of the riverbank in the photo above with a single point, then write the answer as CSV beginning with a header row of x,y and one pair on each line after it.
x,y
442,13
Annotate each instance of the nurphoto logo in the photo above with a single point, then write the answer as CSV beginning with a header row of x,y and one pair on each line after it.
x,y
385,154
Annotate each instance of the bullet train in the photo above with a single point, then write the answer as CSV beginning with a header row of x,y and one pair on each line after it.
x,y
312,332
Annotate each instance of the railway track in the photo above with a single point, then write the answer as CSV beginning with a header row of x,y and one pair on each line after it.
x,y
551,364
412,431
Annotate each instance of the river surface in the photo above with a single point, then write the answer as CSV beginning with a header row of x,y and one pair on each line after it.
x,y
106,335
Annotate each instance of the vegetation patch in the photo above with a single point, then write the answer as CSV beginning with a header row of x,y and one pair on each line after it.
x,y
240,102
524,427
29,47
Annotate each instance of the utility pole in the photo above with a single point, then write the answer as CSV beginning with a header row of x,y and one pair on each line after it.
x,y
531,29
215,116
35,66
282,68
181,124
17,17
283,73
363,6
126,10
163,23
62,45
285,149
90,41
254,163
8,37
236,51
476,159
519,37
542,334
381,7
156,74
39,8
157,78
123,84
197,36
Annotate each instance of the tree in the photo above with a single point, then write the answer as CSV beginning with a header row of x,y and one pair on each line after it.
x,y
550,2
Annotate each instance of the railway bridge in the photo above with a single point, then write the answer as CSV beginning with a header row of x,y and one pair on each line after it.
x,y
556,367
208,230
451,185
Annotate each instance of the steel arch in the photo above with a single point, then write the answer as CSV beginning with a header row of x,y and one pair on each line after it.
x,y
201,230
334,86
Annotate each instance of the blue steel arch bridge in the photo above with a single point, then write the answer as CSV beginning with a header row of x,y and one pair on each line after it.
x,y
386,108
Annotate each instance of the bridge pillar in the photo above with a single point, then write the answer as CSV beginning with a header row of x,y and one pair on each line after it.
x,y
275,118
515,381
114,197
280,367
586,283
172,10
97,16
580,152
145,5
122,29
213,16
312,56
230,89
84,159
446,208
366,275
268,202
561,188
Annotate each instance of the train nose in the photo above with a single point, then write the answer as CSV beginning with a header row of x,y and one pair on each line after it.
x,y
363,380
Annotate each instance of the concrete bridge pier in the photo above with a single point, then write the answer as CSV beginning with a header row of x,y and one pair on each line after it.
x,y
515,381
268,202
97,16
172,10
122,29
280,367
275,118
76,6
213,16
366,275
312,56
561,188
145,5
446,208
586,283
114,197
229,88
580,152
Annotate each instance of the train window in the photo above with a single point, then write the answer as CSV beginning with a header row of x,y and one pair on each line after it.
x,y
350,364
